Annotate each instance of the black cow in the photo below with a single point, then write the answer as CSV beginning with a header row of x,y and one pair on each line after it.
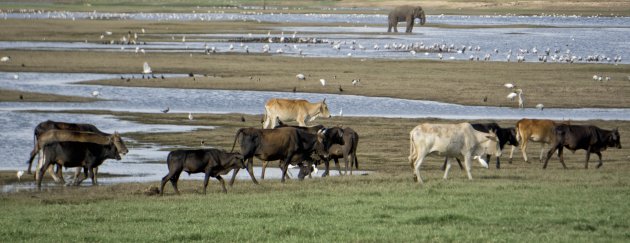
x,y
77,154
212,162
310,129
287,144
348,140
43,127
590,138
505,135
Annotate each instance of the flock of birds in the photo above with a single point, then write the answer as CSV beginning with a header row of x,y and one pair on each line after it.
x,y
518,94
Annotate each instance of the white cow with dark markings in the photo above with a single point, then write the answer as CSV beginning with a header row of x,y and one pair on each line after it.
x,y
450,140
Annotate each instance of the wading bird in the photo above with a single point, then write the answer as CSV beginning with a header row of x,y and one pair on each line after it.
x,y
146,69
166,110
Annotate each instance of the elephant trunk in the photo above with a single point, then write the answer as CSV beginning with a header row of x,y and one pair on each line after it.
x,y
423,18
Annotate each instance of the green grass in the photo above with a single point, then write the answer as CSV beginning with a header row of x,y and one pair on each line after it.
x,y
509,205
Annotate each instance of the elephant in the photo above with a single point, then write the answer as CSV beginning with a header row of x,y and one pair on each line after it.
x,y
405,13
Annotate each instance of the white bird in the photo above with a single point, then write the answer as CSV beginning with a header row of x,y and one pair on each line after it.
x,y
595,77
20,174
323,81
340,111
540,107
5,59
521,101
166,110
190,116
183,38
96,93
142,30
146,68
315,170
509,85
15,76
300,76
512,95
356,82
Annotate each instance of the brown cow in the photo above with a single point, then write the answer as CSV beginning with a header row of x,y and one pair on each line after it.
x,y
293,110
535,130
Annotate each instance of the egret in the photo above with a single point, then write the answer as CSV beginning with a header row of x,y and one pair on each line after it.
x,y
16,77
183,38
190,116
166,110
595,77
511,95
96,93
509,85
340,111
323,81
20,174
540,107
521,101
5,59
300,76
146,68
356,82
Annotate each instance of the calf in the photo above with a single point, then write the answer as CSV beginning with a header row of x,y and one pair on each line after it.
x,y
76,154
590,138
212,162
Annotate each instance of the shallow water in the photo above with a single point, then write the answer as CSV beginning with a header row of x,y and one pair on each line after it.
x,y
566,37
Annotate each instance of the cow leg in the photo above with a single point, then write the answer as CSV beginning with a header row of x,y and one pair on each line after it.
x,y
250,170
327,169
524,149
339,167
164,180
264,167
205,181
285,167
95,175
498,161
445,163
41,171
92,177
549,154
561,156
234,173
58,174
511,154
447,168
32,156
468,165
417,167
588,156
174,180
542,151
222,183
599,154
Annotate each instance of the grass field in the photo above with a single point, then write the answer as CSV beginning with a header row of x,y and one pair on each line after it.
x,y
518,203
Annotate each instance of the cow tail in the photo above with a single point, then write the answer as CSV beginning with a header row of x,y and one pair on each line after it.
x,y
518,133
238,133
413,154
169,161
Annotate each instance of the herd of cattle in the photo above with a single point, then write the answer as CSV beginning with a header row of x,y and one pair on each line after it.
x,y
85,147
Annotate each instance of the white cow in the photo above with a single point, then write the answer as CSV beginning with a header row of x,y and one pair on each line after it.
x,y
450,140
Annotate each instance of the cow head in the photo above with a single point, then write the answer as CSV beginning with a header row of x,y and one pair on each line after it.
x,y
235,160
491,145
328,137
323,109
614,140
116,139
112,152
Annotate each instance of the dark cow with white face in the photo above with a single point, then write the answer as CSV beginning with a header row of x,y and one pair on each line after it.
x,y
587,137
212,162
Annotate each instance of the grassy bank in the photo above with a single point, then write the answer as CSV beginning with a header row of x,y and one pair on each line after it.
x,y
21,96
520,202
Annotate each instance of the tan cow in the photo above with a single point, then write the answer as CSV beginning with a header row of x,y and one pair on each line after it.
x,y
450,140
535,130
293,110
